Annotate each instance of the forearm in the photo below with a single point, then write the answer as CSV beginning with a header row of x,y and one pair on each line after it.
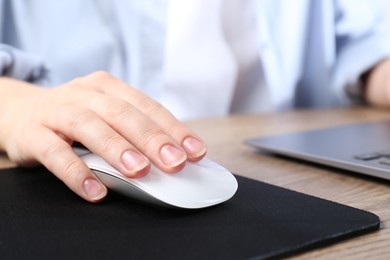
x,y
377,88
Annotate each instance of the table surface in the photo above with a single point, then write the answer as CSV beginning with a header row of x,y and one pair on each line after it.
x,y
224,137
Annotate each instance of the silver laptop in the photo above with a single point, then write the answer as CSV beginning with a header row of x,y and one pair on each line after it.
x,y
362,148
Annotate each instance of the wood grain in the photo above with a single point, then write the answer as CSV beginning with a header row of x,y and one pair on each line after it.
x,y
225,136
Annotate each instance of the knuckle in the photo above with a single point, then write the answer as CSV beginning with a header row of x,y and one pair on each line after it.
x,y
70,87
151,135
72,171
50,148
89,81
177,129
100,75
76,116
150,107
117,109
77,84
109,143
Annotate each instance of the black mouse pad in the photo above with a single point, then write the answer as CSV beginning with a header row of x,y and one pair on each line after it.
x,y
42,219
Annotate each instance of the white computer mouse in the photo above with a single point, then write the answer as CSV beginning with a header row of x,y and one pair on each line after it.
x,y
198,185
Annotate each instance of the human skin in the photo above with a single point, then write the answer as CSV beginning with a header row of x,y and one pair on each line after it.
x,y
377,87
112,119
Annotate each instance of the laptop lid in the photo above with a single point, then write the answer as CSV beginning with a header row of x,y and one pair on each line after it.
x,y
362,148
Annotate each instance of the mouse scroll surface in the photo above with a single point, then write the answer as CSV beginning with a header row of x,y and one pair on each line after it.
x,y
198,185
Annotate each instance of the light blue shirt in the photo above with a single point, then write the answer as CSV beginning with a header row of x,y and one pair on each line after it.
x,y
312,52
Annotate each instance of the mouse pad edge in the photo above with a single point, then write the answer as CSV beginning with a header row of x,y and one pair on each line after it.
x,y
37,193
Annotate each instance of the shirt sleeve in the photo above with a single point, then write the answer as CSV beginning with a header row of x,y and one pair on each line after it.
x,y
21,65
362,41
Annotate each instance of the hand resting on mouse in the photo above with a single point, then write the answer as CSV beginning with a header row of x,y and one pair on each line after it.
x,y
112,119
200,184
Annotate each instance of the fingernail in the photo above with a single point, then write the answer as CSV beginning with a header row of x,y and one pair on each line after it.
x,y
172,156
133,161
194,147
94,190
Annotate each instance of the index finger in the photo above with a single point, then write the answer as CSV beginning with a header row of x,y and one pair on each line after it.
x,y
105,83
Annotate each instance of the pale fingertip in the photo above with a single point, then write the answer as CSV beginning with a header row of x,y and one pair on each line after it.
x,y
171,156
94,190
134,164
194,148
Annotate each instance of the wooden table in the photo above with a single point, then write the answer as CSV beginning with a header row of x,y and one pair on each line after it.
x,y
225,136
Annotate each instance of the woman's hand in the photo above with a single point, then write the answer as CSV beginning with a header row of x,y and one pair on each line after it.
x,y
112,119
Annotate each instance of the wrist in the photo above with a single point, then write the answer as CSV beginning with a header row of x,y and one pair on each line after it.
x,y
12,93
